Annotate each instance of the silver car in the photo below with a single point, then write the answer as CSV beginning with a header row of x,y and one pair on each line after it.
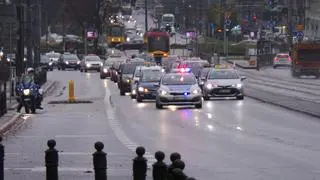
x,y
178,89
91,62
223,83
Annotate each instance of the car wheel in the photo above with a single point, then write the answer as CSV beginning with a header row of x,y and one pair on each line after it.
x,y
102,77
139,99
122,93
274,67
240,97
51,69
63,69
59,68
85,70
206,98
133,96
199,106
98,70
81,70
158,106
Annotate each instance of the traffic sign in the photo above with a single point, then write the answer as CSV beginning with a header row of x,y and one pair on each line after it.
x,y
299,27
228,22
300,35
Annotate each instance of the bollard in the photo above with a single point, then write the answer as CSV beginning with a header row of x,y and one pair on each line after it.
x,y
71,98
139,165
1,160
173,157
159,171
100,162
178,174
52,160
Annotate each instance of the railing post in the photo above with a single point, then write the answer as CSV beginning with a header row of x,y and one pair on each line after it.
x,y
139,165
1,160
52,161
100,162
159,171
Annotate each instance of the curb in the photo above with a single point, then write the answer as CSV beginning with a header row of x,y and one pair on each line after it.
x,y
8,125
239,66
288,107
47,89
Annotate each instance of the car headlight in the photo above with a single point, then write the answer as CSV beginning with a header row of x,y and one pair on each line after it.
x,y
26,92
239,86
128,80
105,70
209,86
101,63
196,91
140,89
163,92
133,92
88,65
67,62
50,63
78,62
128,39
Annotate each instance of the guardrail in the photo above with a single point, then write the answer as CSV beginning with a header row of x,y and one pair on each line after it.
x,y
139,164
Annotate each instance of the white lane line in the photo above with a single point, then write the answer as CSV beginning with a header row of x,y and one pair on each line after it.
x,y
119,133
112,171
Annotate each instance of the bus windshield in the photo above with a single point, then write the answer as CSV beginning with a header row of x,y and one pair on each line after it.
x,y
116,31
167,19
309,55
158,43
126,11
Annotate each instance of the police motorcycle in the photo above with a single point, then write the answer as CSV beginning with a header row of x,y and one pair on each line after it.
x,y
28,94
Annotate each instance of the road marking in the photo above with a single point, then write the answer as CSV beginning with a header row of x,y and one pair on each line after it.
x,y
110,171
119,133
72,154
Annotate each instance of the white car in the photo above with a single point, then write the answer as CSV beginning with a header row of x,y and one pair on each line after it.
x,y
223,83
91,62
282,59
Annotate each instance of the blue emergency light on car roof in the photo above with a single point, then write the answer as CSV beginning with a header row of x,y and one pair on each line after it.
x,y
185,70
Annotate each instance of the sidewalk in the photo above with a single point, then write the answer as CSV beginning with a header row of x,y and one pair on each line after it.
x,y
12,117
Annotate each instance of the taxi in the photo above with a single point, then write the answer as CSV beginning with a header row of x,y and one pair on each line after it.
x,y
223,82
179,88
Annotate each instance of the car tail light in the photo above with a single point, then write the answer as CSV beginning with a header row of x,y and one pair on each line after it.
x,y
275,59
289,59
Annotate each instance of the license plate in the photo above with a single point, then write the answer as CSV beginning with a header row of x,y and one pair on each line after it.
x,y
27,99
225,91
178,97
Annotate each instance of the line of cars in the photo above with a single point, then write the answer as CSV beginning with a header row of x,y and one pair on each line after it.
x,y
176,83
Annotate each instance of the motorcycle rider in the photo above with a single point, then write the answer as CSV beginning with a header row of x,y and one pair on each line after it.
x,y
30,76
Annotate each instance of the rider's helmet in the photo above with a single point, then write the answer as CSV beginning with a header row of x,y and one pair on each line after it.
x,y
30,70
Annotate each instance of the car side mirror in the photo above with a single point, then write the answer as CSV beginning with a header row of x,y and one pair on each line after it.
x,y
243,78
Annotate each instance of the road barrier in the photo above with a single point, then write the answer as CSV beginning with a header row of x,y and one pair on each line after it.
x,y
160,170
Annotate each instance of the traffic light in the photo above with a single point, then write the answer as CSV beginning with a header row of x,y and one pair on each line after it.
x,y
219,30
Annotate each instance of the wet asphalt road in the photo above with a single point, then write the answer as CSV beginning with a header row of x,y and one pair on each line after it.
x,y
227,139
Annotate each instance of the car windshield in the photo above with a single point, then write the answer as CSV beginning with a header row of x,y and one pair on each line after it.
x,y
93,58
44,59
179,79
108,63
223,74
53,55
204,72
151,76
282,56
128,68
70,57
